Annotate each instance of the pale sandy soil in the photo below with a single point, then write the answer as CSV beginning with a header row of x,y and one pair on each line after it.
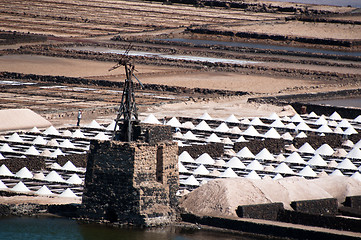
x,y
218,108
55,66
301,29
38,200
221,197
231,81
43,65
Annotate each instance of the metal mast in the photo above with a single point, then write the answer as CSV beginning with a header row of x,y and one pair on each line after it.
x,y
127,112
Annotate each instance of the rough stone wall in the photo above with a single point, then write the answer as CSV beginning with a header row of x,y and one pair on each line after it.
x,y
132,183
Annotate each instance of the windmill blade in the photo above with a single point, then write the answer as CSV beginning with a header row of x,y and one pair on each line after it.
x,y
114,67
141,84
128,49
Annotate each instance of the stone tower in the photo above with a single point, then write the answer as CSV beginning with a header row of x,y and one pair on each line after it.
x,y
133,182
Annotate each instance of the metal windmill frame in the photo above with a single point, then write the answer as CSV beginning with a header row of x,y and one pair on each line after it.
x,y
128,112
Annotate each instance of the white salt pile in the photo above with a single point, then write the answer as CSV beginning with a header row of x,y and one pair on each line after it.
x,y
221,197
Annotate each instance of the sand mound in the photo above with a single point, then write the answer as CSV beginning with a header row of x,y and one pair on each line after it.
x,y
222,196
14,119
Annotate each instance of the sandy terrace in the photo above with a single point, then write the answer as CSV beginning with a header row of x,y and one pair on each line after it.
x,y
43,65
301,29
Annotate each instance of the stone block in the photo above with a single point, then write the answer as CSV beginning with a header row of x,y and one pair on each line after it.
x,y
268,211
328,206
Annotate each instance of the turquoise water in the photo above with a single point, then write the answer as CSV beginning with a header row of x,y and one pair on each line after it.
x,y
349,102
26,228
342,3
263,46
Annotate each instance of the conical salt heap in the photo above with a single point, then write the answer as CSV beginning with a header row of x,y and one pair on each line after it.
x,y
245,153
256,122
39,176
68,193
324,150
324,129
336,173
355,153
52,143
277,177
287,136
74,179
39,140
283,168
205,159
264,154
24,173
321,121
44,190
235,130
32,151
174,122
111,126
214,138
272,133
255,165
181,168
295,158
20,187
15,138
301,135
203,126
34,130
222,128
235,162
201,170
54,177
251,131
306,148
78,134
185,157
317,160
357,119
296,118
67,144
252,175
66,133
350,130
6,148
241,139
335,116
191,180
277,124
4,171
344,124
227,140
229,173
302,126
273,116
101,136
94,124
188,125
51,131
346,164
206,116
307,172
69,166
232,119
2,185
356,176
312,115
189,136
